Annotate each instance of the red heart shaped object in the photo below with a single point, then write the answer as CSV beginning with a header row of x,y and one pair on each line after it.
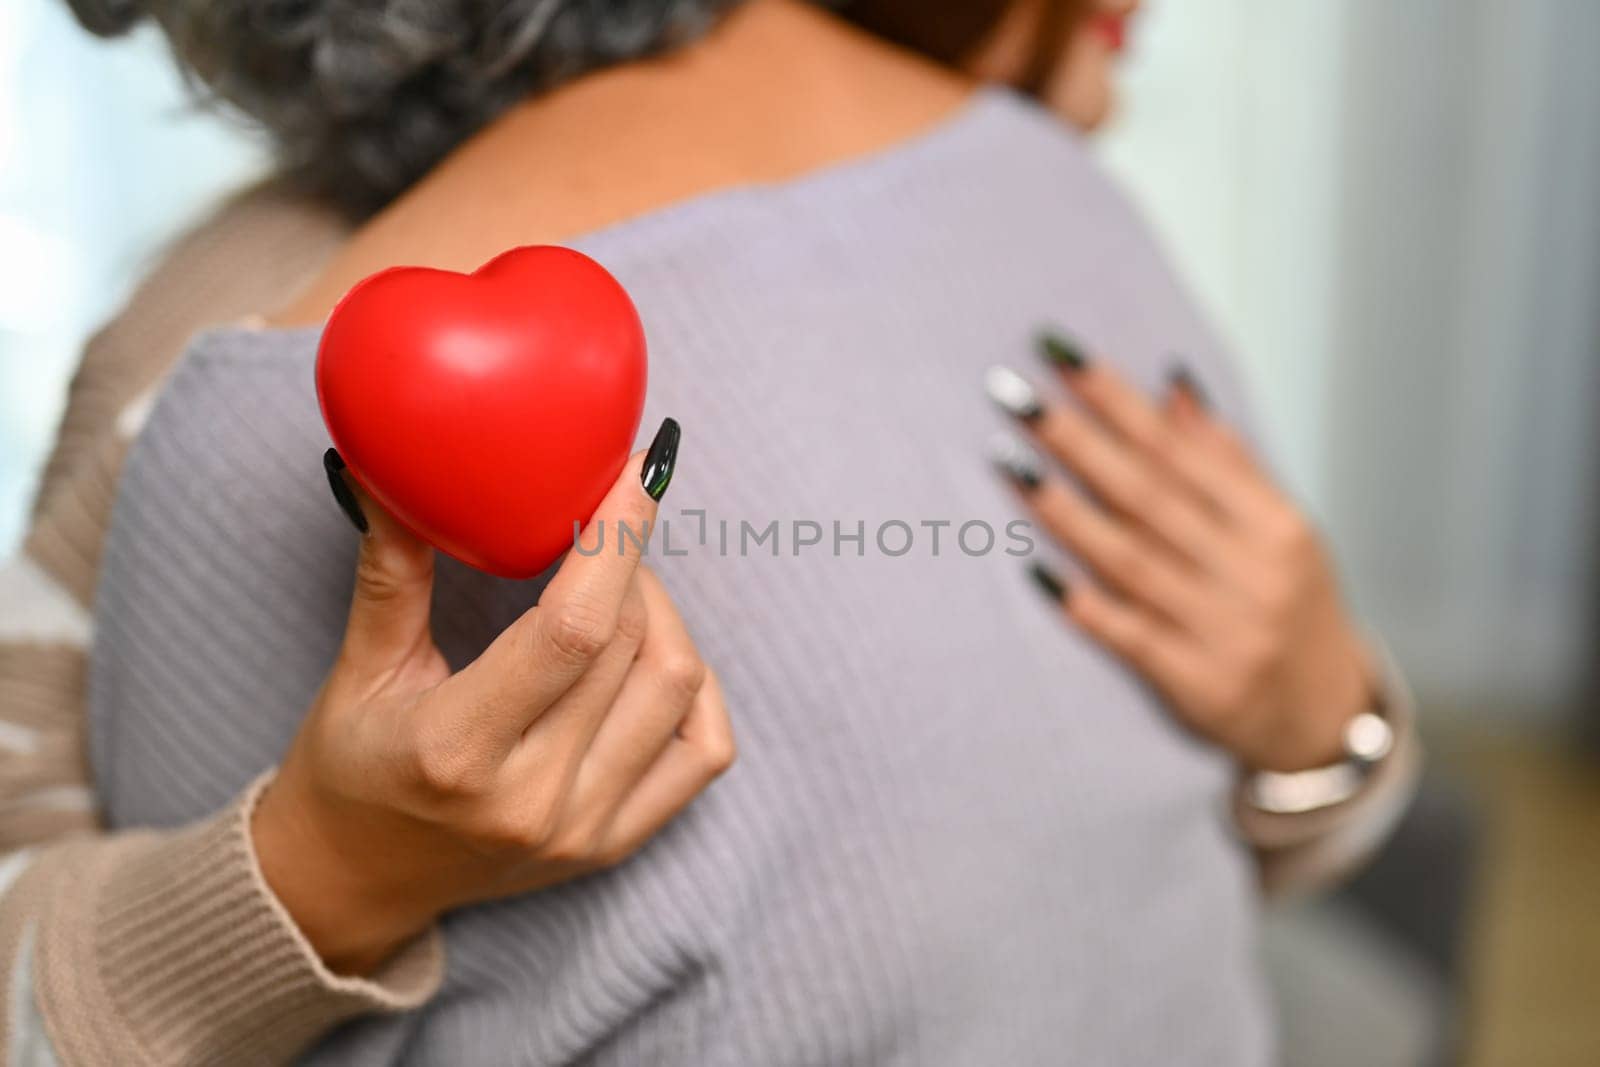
x,y
487,411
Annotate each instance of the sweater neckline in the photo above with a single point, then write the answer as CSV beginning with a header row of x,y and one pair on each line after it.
x,y
984,105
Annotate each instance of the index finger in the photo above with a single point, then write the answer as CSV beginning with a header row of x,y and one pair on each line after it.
x,y
542,654
1103,390
595,575
1145,429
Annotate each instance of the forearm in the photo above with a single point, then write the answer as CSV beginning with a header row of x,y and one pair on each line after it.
x,y
168,947
141,947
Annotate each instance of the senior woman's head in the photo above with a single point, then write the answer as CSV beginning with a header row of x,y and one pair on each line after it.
x,y
360,99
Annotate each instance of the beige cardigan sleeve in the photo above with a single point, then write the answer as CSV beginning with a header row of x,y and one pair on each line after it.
x,y
145,947
168,948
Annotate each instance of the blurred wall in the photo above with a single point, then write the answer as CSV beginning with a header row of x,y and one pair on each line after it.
x,y
1394,211
101,158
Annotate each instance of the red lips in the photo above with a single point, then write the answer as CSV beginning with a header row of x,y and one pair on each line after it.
x,y
1112,29
488,411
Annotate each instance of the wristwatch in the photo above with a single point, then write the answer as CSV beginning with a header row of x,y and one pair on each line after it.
x,y
1367,739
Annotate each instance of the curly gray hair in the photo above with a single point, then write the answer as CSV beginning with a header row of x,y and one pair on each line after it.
x,y
360,98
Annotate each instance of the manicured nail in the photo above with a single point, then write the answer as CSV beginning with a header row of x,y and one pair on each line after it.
x,y
1015,395
1180,378
1016,461
660,460
333,463
1062,352
1049,582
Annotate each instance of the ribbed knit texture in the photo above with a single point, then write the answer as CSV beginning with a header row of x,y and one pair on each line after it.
x,y
958,833
186,957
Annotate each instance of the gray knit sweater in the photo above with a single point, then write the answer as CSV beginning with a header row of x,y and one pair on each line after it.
x,y
958,832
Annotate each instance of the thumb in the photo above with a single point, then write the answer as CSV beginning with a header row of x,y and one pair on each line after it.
x,y
389,610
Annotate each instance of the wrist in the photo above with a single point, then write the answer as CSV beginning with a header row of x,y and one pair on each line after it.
x,y
1314,734
352,920
1366,737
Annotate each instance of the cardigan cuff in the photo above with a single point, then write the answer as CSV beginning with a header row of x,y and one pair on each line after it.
x,y
162,948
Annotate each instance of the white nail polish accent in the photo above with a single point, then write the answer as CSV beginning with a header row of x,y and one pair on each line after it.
x,y
1012,392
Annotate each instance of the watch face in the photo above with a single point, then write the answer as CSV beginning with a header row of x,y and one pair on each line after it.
x,y
1368,738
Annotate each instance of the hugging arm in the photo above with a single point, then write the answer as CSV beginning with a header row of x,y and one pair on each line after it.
x,y
137,947
582,730
140,947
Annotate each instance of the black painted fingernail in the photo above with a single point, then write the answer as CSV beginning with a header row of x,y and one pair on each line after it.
x,y
1016,461
333,463
661,458
1014,393
1062,352
1050,584
1182,379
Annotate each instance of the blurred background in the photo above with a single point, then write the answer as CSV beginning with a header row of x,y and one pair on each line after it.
x,y
1392,208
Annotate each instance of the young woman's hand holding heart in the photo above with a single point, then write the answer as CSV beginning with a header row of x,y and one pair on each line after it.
x,y
575,736
1207,579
